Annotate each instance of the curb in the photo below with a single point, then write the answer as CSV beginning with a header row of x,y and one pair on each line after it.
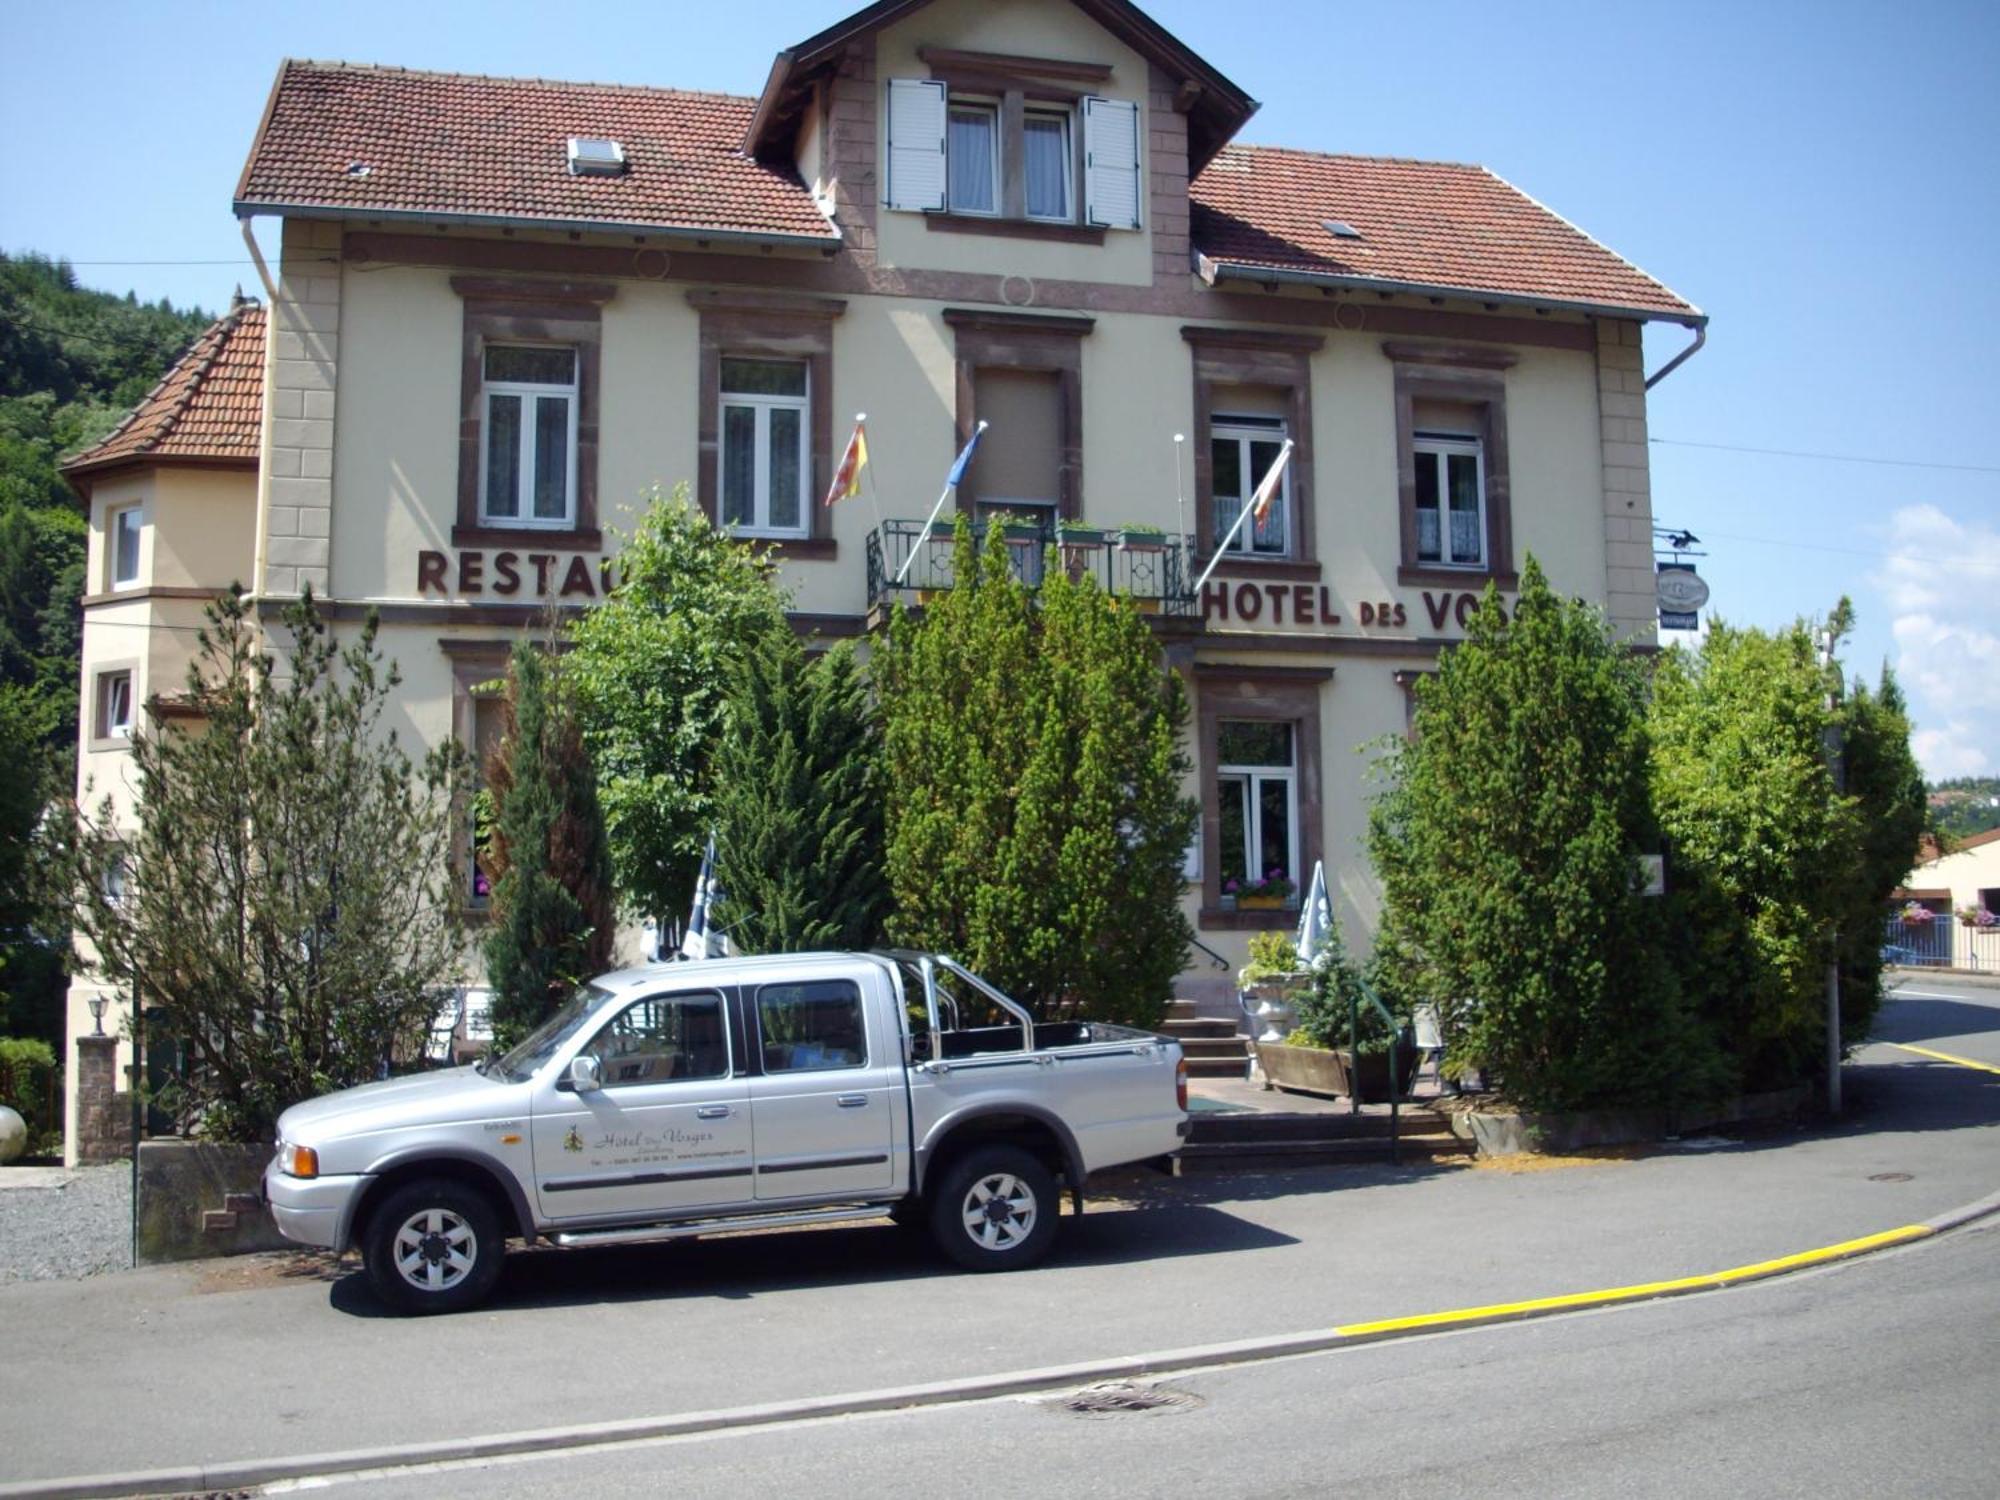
x,y
252,1473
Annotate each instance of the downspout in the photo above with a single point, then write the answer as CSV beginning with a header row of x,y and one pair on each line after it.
x,y
1700,338
264,419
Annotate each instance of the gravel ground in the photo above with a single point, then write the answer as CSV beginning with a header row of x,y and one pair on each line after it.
x,y
76,1230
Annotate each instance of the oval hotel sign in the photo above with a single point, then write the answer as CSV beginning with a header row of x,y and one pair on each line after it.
x,y
1681,590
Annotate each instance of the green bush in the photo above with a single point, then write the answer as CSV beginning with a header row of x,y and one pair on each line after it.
x,y
25,1066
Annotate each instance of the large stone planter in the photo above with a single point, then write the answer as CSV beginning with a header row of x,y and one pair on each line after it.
x,y
1512,1134
198,1198
1323,1070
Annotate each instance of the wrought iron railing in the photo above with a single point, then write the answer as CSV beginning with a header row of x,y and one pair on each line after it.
x,y
908,561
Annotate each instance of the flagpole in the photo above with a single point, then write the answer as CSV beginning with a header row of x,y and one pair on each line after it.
x,y
1249,508
874,495
943,495
1180,488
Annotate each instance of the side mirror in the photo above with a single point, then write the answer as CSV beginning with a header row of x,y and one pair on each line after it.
x,y
585,1077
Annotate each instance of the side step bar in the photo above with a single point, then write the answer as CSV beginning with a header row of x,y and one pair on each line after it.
x,y
688,1228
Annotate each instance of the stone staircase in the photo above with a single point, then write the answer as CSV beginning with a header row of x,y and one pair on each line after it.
x,y
1211,1044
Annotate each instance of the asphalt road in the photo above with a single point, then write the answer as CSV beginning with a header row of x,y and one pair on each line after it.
x,y
239,1359
1873,1379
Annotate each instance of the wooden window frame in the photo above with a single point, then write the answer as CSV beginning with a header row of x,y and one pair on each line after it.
x,y
1032,344
1472,377
760,325
509,310
528,393
1235,427
1288,695
1278,360
760,499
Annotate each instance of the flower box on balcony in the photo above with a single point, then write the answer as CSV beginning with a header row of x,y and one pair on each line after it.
x,y
1143,539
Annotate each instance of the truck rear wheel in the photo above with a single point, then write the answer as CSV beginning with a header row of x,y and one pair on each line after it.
x,y
995,1209
433,1246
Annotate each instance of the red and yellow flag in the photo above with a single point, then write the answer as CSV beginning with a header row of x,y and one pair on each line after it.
x,y
847,478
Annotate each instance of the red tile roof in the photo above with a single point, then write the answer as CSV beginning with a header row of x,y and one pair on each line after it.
x,y
1422,224
207,408
352,139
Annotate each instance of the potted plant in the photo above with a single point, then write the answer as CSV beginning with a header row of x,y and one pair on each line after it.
x,y
1271,978
1977,916
1273,893
1341,1044
1139,537
1916,914
1073,533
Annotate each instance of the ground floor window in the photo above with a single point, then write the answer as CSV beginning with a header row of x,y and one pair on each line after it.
x,y
1257,802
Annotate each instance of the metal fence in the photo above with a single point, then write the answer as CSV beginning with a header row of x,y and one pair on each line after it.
x,y
1979,948
1917,943
908,562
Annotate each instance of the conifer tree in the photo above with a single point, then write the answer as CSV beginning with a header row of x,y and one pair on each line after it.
x,y
552,909
1037,810
798,802
1508,844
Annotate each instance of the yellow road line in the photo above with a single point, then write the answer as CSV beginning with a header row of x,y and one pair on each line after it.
x,y
1643,1290
1950,1057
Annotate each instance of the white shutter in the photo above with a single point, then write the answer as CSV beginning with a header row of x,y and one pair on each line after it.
x,y
916,144
1111,162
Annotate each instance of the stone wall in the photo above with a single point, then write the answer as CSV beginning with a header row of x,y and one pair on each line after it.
x,y
1630,596
303,361
197,1198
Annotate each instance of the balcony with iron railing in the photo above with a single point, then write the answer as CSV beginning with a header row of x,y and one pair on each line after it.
x,y
910,562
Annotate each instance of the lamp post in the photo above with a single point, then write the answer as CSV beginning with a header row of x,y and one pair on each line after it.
x,y
98,1005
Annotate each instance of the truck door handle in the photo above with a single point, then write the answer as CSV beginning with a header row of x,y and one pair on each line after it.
x,y
852,1101
712,1112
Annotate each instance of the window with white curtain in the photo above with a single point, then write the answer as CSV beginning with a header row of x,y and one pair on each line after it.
x,y
1046,162
1257,785
972,158
1451,500
528,458
764,466
1241,450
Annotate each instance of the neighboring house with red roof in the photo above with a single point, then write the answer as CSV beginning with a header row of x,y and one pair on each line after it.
x,y
506,308
1960,892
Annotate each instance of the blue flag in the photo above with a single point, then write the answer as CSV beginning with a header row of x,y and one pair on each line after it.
x,y
957,475
702,940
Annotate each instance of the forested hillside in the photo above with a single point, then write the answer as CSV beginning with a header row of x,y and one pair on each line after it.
x,y
72,363
1966,805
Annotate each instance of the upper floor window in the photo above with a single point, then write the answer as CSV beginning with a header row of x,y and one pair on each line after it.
x,y
114,706
1241,450
765,461
1451,500
124,546
528,468
1013,157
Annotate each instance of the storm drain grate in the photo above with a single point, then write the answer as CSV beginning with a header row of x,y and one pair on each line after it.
x,y
1889,1177
1122,1398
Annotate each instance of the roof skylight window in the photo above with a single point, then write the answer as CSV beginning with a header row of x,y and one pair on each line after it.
x,y
595,156
1340,229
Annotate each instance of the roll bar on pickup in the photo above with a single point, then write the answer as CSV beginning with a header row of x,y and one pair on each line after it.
x,y
928,964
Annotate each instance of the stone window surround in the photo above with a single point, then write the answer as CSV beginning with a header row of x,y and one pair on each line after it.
x,y
769,325
99,673
1027,342
1252,356
473,663
509,310
1016,83
1288,695
1407,679
1473,377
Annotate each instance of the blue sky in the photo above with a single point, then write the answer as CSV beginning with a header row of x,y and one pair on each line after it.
x,y
1817,177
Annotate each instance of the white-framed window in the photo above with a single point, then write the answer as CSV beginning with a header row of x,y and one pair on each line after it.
x,y
1048,164
972,157
527,464
122,540
114,705
1257,782
765,464
1451,499
1241,450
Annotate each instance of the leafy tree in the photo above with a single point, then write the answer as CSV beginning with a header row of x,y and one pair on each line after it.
x,y
651,669
1508,843
287,906
799,802
1770,858
552,909
1037,817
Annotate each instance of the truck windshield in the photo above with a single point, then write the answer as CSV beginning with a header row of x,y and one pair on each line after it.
x,y
539,1045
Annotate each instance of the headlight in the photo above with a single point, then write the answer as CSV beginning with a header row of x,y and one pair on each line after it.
x,y
297,1161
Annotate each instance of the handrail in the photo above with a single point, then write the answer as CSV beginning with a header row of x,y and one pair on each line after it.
x,y
1216,958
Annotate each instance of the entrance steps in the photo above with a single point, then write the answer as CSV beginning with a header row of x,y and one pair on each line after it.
x,y
1212,1044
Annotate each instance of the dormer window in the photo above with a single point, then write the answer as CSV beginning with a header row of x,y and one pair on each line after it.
x,y
1013,157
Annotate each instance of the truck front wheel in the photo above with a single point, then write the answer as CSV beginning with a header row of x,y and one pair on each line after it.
x,y
433,1246
995,1210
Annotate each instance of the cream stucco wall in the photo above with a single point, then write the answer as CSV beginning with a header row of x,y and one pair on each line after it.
x,y
1044,28
1974,868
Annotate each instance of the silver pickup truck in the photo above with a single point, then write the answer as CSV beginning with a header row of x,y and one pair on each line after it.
x,y
689,1098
